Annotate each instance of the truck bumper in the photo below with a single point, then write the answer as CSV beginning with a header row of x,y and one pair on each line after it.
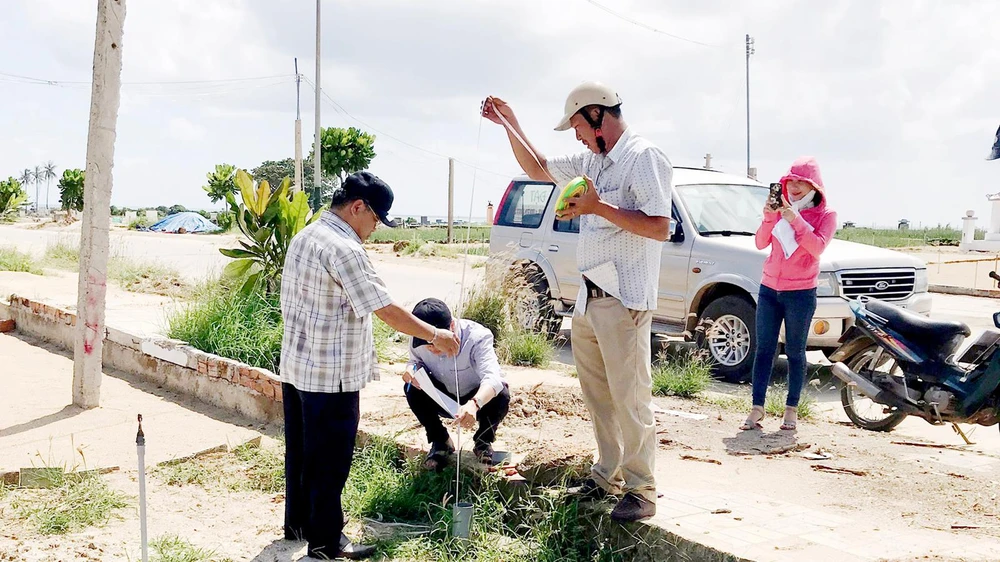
x,y
833,317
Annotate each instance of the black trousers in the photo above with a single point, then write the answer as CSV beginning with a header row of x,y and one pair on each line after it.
x,y
429,414
320,431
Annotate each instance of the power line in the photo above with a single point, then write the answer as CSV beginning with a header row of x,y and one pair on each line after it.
x,y
339,108
649,27
47,82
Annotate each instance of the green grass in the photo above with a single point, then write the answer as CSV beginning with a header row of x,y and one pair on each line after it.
x,y
172,548
226,322
78,502
518,347
430,234
248,467
686,375
774,403
894,238
493,303
542,526
62,254
12,259
147,277
390,345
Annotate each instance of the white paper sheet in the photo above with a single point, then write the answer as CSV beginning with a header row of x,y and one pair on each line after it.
x,y
424,380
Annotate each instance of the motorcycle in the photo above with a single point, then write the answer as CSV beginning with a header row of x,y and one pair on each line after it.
x,y
897,363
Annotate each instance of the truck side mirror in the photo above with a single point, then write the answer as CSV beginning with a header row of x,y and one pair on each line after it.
x,y
996,319
676,233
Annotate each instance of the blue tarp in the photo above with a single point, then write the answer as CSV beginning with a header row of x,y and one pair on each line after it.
x,y
190,222
995,153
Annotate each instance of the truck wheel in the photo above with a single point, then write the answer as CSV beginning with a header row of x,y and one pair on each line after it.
x,y
865,413
536,313
729,336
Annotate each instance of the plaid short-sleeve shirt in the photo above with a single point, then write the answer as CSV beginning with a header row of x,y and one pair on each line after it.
x,y
329,290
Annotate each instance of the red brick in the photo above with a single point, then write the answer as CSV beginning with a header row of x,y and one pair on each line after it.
x,y
7,326
269,389
277,393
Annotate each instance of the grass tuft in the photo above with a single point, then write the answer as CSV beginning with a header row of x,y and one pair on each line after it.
x,y
77,502
172,548
12,259
685,375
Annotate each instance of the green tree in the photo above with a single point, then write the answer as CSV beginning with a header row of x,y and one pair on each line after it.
x,y
49,173
345,151
274,171
71,189
174,209
220,182
11,197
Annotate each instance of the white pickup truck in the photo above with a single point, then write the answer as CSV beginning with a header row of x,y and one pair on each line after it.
x,y
710,268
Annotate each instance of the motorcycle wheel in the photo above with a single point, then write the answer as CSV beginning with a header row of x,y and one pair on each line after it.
x,y
862,411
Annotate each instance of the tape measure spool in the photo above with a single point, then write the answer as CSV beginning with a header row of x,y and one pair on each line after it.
x,y
575,187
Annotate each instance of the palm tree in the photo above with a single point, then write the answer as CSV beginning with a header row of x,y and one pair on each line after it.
x,y
26,178
39,175
50,174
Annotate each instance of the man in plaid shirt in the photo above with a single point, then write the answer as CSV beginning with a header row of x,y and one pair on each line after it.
x,y
329,291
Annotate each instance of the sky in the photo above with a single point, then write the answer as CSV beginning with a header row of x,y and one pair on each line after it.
x,y
897,100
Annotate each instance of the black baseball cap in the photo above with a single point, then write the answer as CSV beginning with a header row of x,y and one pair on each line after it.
x,y
435,312
373,191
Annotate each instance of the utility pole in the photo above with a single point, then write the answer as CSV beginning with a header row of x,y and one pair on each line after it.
x,y
750,51
317,161
451,197
105,97
297,185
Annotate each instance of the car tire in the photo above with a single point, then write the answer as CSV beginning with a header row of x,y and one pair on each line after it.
x,y
542,316
727,331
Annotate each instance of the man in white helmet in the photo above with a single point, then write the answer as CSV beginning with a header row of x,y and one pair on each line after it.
x,y
624,220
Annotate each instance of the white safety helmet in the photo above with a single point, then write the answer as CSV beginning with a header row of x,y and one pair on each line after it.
x,y
586,94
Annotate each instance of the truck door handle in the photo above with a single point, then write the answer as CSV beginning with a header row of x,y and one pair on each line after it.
x,y
553,248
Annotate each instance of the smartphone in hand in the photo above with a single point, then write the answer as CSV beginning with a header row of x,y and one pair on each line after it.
x,y
774,197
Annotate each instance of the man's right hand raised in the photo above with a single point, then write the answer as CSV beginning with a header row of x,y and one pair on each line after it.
x,y
493,105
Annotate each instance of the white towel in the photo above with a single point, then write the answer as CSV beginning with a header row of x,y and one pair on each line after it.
x,y
785,235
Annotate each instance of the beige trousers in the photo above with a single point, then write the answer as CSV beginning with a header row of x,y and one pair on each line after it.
x,y
611,348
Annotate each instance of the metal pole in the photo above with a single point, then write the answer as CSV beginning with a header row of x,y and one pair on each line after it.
x,y
105,97
140,445
451,197
317,168
750,51
297,185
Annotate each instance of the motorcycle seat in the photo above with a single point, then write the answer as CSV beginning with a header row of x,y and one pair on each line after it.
x,y
937,337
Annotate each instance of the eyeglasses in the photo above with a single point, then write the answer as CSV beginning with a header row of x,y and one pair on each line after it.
x,y
378,219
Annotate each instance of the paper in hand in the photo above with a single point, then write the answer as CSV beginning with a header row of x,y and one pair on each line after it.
x,y
424,381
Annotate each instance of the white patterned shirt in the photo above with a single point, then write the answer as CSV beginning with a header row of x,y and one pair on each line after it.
x,y
329,291
636,176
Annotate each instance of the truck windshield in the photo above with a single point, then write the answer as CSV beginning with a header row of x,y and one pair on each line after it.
x,y
724,208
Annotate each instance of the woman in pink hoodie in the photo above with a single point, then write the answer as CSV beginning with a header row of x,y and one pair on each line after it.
x,y
797,232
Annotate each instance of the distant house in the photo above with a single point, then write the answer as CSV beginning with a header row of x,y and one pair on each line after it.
x,y
904,224
848,224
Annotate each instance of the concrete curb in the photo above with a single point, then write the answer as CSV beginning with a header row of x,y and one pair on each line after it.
x,y
952,290
252,392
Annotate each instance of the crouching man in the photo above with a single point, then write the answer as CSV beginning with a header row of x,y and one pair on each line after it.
x,y
481,392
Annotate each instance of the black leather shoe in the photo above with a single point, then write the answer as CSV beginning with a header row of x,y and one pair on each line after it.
x,y
633,508
589,490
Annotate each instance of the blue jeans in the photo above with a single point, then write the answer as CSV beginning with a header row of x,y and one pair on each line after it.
x,y
796,309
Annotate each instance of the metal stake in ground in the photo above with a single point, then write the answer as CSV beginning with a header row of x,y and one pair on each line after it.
x,y
140,445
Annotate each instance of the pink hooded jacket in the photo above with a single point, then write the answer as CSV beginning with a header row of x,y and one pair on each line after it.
x,y
801,270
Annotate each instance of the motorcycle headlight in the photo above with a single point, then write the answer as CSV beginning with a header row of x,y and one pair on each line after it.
x,y
827,285
920,282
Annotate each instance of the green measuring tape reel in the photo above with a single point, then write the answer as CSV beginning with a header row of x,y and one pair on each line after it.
x,y
575,187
